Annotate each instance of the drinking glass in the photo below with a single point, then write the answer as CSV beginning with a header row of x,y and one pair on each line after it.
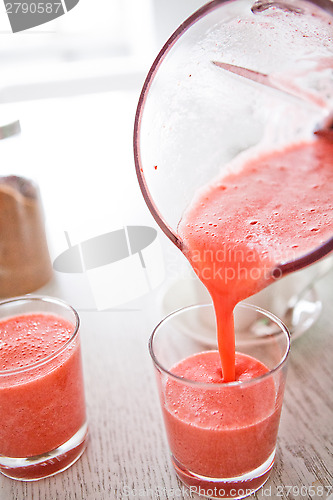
x,y
42,406
222,436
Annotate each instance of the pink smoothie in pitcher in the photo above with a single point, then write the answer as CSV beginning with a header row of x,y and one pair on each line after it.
x,y
276,207
41,406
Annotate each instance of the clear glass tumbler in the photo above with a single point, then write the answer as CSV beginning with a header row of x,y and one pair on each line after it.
x,y
222,436
42,405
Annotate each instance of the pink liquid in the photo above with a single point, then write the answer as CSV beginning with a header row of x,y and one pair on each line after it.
x,y
277,207
42,407
221,431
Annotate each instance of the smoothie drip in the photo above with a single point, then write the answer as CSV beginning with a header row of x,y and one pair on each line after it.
x,y
277,207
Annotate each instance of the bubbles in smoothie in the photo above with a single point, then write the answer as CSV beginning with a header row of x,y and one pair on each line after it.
x,y
30,338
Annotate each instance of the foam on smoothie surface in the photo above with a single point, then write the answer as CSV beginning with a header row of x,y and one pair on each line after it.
x,y
29,338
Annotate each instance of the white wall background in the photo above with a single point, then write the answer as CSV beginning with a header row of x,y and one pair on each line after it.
x,y
99,45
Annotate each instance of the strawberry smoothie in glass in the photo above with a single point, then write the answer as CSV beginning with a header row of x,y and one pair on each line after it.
x,y
42,406
222,435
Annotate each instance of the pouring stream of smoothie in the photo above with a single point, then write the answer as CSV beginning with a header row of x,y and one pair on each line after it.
x,y
277,207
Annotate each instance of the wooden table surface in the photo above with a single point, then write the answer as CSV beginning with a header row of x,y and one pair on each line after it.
x,y
127,455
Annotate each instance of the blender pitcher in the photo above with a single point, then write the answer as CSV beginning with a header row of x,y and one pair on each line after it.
x,y
235,78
